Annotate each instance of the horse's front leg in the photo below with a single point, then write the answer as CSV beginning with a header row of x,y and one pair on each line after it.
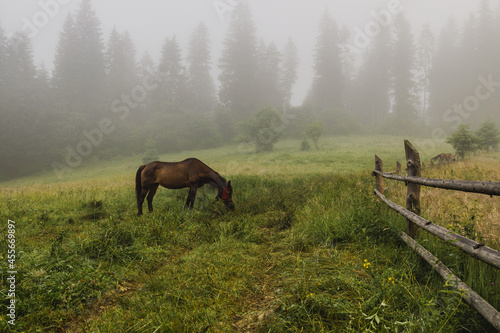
x,y
191,197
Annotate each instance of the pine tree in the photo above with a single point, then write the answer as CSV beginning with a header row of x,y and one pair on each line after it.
x,y
289,72
327,88
268,76
488,136
120,64
22,110
91,70
171,96
200,82
20,70
425,53
444,75
238,65
373,83
64,77
79,71
403,68
3,60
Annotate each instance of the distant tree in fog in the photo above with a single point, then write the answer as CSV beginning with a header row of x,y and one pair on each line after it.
x,y
3,60
64,76
444,76
200,82
146,69
171,96
25,126
328,83
268,75
289,71
79,71
120,62
403,70
89,48
488,136
426,46
238,64
372,86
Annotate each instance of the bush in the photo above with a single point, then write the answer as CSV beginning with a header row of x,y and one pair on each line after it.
x,y
304,145
488,136
314,132
263,129
463,141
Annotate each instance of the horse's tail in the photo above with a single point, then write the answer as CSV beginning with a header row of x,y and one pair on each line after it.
x,y
138,183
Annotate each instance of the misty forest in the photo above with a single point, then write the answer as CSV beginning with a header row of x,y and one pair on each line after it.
x,y
280,167
395,80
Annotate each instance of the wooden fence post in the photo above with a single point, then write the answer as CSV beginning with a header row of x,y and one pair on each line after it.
x,y
398,167
413,190
379,166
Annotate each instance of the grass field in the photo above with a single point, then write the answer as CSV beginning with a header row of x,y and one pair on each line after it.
x,y
308,249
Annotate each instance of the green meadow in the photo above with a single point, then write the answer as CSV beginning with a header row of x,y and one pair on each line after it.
x,y
308,248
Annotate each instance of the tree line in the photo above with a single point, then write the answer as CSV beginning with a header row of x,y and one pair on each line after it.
x,y
101,99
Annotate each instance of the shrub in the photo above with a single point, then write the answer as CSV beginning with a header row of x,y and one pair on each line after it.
x,y
463,141
263,129
488,136
314,132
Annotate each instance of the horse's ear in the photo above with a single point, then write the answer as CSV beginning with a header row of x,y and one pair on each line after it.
x,y
229,184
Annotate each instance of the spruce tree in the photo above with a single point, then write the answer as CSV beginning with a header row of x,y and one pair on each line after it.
x,y
120,61
238,64
171,96
425,52
372,85
200,82
268,76
327,91
289,71
403,69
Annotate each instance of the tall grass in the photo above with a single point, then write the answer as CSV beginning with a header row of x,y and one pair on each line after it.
x,y
307,249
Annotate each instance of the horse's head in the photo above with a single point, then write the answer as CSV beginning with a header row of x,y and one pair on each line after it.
x,y
226,195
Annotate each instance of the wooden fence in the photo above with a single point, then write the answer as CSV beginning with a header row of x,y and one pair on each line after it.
x,y
414,221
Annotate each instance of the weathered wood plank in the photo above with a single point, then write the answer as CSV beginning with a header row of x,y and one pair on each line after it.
x,y
412,190
473,298
482,187
379,166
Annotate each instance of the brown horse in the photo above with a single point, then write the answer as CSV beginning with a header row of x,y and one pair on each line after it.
x,y
190,173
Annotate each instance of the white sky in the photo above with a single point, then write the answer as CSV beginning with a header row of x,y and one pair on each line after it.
x,y
149,22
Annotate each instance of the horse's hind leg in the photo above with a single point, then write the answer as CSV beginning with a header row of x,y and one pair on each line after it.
x,y
140,200
151,194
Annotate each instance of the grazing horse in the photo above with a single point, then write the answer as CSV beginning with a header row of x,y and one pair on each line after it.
x,y
190,173
443,158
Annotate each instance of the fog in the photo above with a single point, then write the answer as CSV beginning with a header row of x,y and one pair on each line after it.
x,y
149,22
96,79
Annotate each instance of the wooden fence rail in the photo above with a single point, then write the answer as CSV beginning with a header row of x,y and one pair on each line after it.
x,y
490,188
412,215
